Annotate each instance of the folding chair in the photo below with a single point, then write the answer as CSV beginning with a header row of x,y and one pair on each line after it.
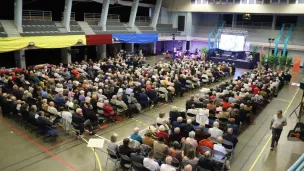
x,y
204,148
113,157
222,159
139,167
175,163
159,156
126,165
201,169
229,148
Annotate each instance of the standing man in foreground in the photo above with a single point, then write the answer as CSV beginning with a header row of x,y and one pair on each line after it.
x,y
276,125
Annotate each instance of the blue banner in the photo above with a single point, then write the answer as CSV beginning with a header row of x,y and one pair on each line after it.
x,y
136,38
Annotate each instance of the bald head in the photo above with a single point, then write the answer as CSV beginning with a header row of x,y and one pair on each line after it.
x,y
230,131
207,155
220,140
188,168
169,160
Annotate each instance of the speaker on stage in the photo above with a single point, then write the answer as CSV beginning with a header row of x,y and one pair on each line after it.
x,y
187,45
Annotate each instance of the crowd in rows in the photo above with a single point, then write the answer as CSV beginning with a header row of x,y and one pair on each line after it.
x,y
89,93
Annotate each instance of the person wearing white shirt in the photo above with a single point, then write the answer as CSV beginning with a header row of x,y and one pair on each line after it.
x,y
215,131
150,162
221,148
202,116
168,166
276,125
66,119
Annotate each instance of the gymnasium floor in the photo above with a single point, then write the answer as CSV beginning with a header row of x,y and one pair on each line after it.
x,y
21,150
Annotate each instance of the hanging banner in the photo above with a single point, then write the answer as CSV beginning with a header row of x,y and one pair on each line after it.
x,y
296,64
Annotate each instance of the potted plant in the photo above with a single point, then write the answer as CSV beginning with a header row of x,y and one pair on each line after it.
x,y
282,62
205,51
289,62
264,60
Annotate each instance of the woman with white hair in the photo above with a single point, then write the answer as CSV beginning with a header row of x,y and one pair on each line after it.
x,y
191,139
162,133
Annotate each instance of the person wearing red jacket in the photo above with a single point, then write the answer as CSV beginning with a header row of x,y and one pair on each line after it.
x,y
108,109
162,133
206,143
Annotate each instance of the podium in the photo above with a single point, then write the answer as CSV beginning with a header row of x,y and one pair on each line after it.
x,y
95,143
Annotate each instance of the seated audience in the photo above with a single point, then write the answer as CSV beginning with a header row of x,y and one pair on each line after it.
x,y
136,136
215,131
168,165
150,163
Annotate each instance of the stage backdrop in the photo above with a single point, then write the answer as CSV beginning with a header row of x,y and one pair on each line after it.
x,y
136,38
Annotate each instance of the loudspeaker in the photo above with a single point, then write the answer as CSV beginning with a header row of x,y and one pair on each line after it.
x,y
285,54
181,23
187,45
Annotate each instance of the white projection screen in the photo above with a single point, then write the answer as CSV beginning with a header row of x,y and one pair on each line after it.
x,y
232,42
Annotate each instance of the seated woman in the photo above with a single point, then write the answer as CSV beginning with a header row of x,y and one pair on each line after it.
x,y
112,145
161,133
190,159
161,120
175,151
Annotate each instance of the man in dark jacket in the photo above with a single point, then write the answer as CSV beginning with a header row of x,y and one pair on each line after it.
x,y
206,162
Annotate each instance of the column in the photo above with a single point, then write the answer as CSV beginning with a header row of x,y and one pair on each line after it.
x,y
67,14
233,20
18,15
104,14
129,47
174,19
20,59
153,47
101,51
156,13
188,25
133,13
66,56
274,20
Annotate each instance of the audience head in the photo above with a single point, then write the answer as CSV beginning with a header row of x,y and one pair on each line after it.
x,y
175,145
126,142
207,155
79,111
149,133
189,121
177,130
191,154
136,130
161,114
169,160
114,138
161,139
179,119
191,134
188,168
151,154
220,140
216,124
230,131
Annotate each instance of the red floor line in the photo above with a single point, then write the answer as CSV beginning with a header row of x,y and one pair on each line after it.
x,y
60,142
39,146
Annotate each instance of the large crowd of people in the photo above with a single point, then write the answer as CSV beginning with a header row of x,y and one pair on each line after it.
x,y
86,94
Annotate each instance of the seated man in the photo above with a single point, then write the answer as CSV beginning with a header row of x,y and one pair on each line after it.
x,y
215,131
124,149
206,162
219,147
168,166
230,137
43,123
175,136
60,99
178,123
80,123
137,156
150,163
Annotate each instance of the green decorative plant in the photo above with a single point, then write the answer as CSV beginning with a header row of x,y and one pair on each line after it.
x,y
255,50
282,62
264,59
289,62
275,62
205,51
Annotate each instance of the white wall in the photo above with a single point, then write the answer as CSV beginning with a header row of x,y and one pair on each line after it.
x,y
197,45
164,16
186,6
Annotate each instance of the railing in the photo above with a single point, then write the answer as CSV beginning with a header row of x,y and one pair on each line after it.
x,y
254,25
72,16
210,35
161,21
96,17
208,24
287,39
142,19
278,40
113,18
36,15
168,34
217,35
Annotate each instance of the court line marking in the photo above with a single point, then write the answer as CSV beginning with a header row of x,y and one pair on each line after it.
x,y
38,145
96,156
264,147
281,100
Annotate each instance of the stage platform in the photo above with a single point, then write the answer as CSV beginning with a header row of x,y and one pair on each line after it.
x,y
239,63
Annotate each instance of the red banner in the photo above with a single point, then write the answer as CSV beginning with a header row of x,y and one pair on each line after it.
x,y
99,39
296,64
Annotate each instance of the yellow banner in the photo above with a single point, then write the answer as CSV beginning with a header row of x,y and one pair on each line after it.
x,y
17,43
